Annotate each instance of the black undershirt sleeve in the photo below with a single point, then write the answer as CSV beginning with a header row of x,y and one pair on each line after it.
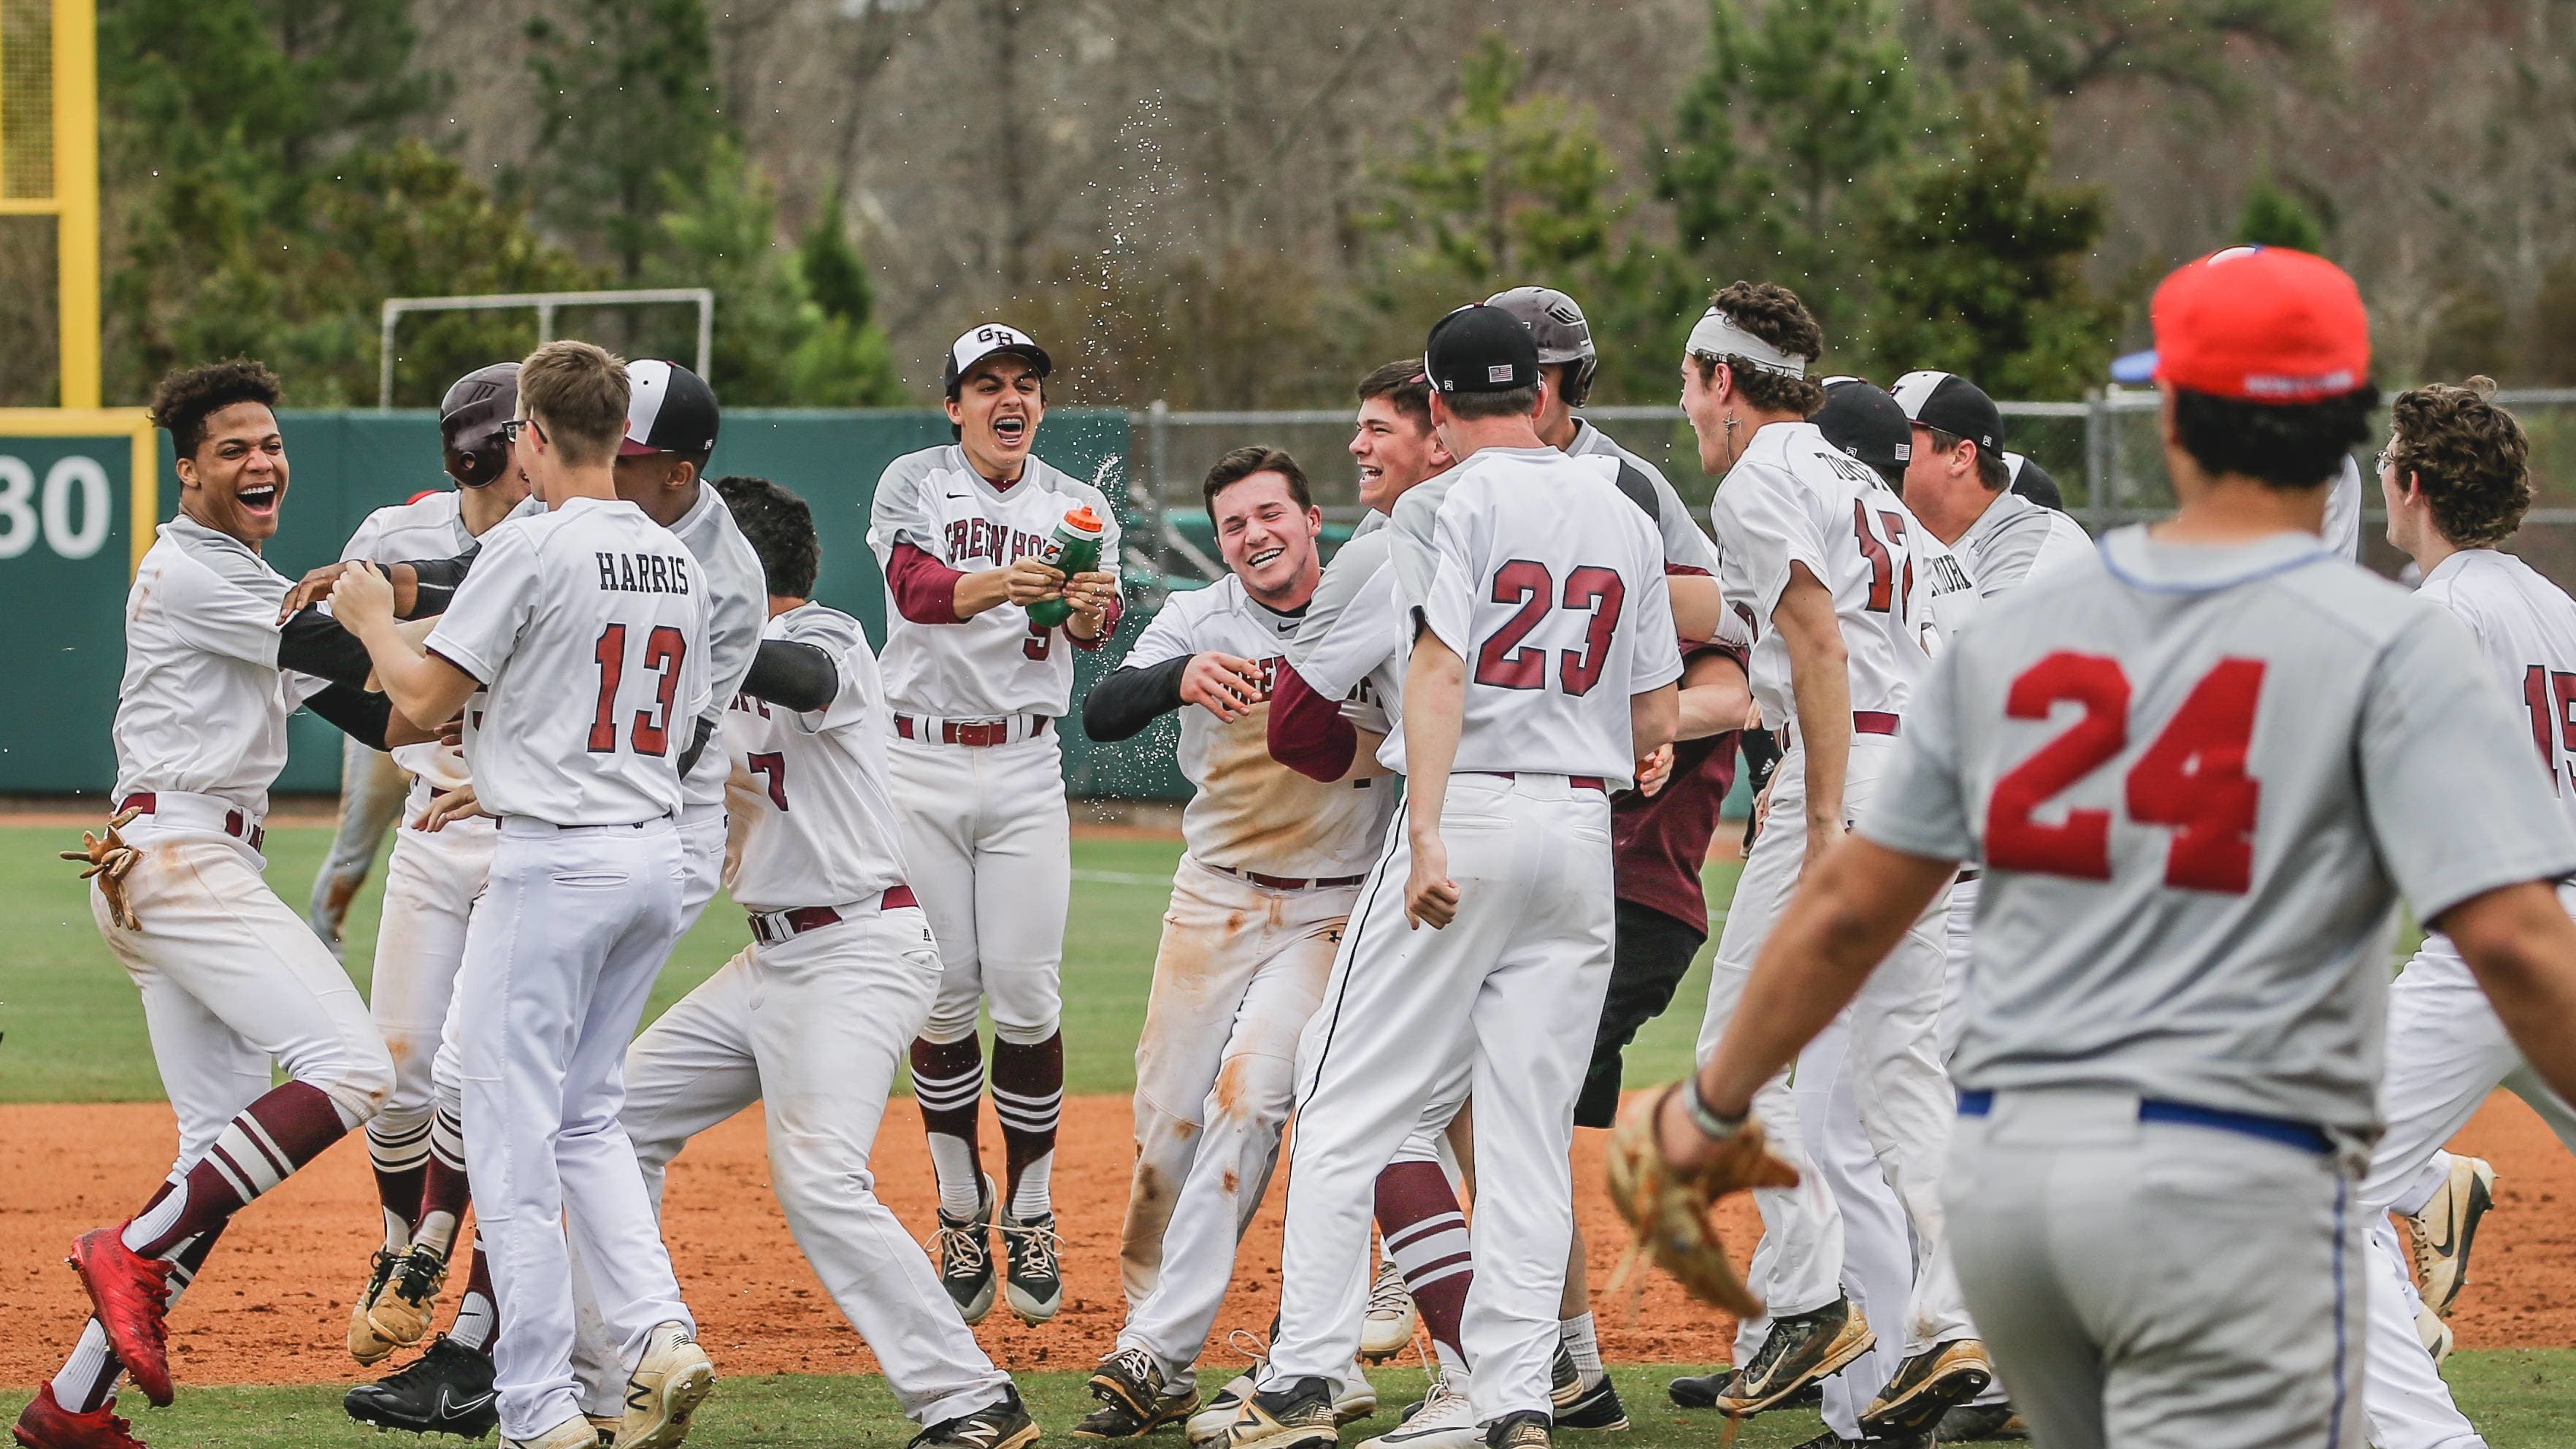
x,y
314,643
1127,700
355,713
697,746
436,580
795,676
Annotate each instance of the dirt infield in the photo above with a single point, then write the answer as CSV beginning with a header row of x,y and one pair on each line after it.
x,y
273,1305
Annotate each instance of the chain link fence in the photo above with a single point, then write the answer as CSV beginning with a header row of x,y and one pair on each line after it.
x,y
2105,453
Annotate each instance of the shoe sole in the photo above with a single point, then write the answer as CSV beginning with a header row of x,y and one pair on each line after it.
x,y
1282,1437
1019,1438
1030,1311
2481,1198
1158,1418
1468,1434
680,1397
1826,1368
1346,1412
1617,1422
1924,1404
980,1307
1378,1347
390,1423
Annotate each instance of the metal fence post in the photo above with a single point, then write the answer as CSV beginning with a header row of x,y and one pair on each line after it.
x,y
1158,451
2100,460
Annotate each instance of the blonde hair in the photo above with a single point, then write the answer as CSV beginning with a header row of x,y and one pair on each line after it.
x,y
579,391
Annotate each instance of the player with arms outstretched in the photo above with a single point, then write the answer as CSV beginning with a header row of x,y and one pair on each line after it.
x,y
977,686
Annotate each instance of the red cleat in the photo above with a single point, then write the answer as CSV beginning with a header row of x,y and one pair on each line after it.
x,y
48,1425
129,1293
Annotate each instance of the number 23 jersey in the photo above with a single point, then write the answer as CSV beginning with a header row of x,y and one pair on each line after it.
x,y
1792,498
809,801
2199,778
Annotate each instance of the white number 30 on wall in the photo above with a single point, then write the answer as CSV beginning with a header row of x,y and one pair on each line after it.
x,y
24,511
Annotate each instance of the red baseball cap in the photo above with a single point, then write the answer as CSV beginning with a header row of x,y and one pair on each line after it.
x,y
2261,324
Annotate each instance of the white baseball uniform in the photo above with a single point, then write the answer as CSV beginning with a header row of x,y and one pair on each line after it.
x,y
232,979
588,629
1273,863
1523,562
984,824
813,1017
1686,549
2446,1050
2198,779
1792,498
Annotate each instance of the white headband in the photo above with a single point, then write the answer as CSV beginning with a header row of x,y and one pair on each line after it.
x,y
1717,337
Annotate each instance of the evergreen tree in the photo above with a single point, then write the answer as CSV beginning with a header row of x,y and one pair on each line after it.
x,y
2072,45
1981,262
631,119
845,361
2274,218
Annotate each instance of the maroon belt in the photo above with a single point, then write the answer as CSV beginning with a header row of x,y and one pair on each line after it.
x,y
772,927
234,824
976,736
1293,883
1864,722
1579,782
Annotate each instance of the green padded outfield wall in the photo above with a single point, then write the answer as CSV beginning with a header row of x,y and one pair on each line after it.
x,y
65,606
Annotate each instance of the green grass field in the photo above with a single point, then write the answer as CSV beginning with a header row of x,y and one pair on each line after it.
x,y
71,1031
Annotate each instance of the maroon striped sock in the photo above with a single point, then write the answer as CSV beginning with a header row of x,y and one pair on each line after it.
x,y
256,1151
1426,1234
1028,1099
948,1082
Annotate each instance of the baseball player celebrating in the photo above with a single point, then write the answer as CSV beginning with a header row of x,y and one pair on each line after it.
x,y
434,876
231,978
1274,861
1542,668
1833,571
583,899
2199,772
977,686
814,1016
2456,478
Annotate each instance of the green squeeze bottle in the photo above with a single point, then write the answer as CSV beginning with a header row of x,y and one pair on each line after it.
x,y
1074,548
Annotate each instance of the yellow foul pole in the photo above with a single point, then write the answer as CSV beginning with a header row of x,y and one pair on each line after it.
x,y
76,197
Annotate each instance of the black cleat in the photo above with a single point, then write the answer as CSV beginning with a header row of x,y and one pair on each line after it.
x,y
1001,1424
448,1391
964,1247
1134,1401
1927,1386
1527,1429
1800,1350
1032,1282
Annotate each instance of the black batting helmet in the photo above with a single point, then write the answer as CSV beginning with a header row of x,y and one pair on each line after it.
x,y
469,423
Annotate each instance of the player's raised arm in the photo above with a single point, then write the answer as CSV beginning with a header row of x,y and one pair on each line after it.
x,y
424,686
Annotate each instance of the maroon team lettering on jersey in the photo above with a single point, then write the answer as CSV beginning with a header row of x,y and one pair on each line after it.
x,y
990,538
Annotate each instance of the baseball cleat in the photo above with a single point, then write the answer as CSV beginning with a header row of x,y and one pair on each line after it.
x,y
1299,1415
1703,1392
448,1391
1593,1406
1134,1400
1356,1400
402,1312
674,1377
2443,1230
365,1344
1799,1350
2434,1332
1002,1424
572,1433
964,1247
1927,1385
1527,1429
1032,1280
1443,1420
46,1424
1830,1440
1970,1423
130,1294
1388,1325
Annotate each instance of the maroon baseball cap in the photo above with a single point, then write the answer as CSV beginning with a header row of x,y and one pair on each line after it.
x,y
2259,324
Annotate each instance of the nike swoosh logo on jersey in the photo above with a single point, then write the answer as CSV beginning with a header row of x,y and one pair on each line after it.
x,y
957,495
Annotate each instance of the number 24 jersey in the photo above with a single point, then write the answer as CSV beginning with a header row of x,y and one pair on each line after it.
x,y
2198,779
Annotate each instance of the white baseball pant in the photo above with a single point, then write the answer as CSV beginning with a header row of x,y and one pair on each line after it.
x,y
371,799
2446,1053
233,980
985,836
2159,1286
815,1028
1240,970
1901,1093
573,928
1512,990
431,883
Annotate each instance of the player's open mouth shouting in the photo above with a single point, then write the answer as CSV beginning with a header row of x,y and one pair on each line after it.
x,y
1010,428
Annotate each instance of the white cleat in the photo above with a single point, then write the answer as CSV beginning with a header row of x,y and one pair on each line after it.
x,y
674,1377
1355,1400
1389,1323
2443,1231
572,1433
2434,1332
1445,1420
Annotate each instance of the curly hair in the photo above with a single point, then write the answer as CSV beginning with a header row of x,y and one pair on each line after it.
x,y
2468,455
780,529
2285,445
185,398
1774,314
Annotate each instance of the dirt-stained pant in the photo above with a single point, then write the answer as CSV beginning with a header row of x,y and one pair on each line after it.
x,y
574,926
371,798
1901,1092
431,883
1240,969
1511,990
815,1027
2158,1285
984,835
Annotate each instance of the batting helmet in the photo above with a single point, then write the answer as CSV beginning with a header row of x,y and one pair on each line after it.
x,y
1556,324
469,423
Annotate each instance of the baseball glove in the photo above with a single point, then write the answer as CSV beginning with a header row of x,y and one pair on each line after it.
x,y
109,860
1669,1207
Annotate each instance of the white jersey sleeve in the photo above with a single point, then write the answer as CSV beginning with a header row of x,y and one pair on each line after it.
x,y
811,801
2342,530
1167,638
493,607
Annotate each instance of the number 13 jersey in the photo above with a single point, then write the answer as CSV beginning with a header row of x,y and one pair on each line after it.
x,y
1792,498
2199,778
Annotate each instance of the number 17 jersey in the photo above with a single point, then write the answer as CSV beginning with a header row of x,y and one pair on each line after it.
x,y
2198,779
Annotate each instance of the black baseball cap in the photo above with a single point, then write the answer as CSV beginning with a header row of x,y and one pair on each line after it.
x,y
2032,482
977,343
469,423
669,409
1480,349
1952,404
1861,419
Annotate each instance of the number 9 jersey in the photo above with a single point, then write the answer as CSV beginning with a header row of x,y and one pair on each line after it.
x,y
1793,498
813,816
2199,778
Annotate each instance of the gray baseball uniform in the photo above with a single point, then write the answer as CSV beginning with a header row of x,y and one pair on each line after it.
x,y
2199,779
